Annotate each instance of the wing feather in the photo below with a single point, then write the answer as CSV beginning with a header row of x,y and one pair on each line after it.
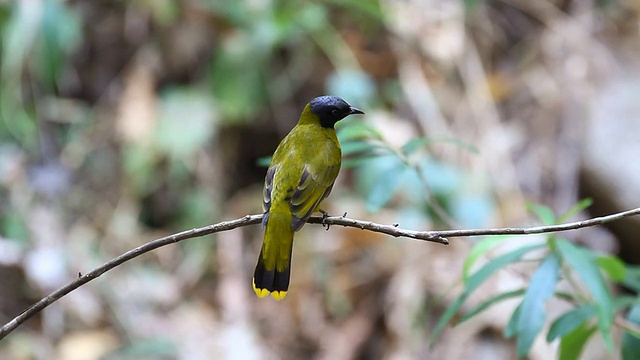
x,y
266,193
311,190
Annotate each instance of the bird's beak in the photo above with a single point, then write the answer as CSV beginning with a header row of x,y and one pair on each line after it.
x,y
353,110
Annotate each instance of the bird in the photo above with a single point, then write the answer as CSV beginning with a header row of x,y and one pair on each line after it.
x,y
300,176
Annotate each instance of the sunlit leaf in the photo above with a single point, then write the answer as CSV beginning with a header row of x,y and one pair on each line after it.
x,y
581,205
544,213
612,266
572,344
479,250
533,314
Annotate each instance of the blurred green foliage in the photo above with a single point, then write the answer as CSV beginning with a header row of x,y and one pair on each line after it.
x,y
248,63
594,304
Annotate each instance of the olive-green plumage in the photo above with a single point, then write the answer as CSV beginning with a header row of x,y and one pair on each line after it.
x,y
301,175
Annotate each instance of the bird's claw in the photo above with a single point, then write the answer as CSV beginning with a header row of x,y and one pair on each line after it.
x,y
325,215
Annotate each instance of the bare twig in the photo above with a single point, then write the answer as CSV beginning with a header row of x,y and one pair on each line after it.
x,y
394,230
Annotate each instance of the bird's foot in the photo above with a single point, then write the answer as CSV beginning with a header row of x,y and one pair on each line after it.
x,y
325,215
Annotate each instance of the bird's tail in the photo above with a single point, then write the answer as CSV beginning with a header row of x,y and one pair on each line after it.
x,y
274,264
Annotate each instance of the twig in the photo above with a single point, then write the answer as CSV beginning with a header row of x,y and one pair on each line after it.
x,y
433,236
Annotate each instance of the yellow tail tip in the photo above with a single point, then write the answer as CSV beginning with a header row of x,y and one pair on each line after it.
x,y
278,295
259,292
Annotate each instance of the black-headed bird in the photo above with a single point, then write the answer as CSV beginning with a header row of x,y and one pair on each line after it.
x,y
301,175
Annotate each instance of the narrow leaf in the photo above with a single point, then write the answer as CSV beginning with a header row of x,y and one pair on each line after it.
x,y
630,341
357,130
476,280
479,250
572,344
624,301
447,316
581,205
384,188
490,302
632,278
544,213
570,321
354,147
414,144
496,264
612,266
533,314
584,264
512,325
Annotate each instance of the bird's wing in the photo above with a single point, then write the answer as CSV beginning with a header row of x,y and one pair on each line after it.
x,y
312,188
266,193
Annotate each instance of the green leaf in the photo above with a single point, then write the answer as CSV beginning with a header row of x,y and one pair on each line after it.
x,y
544,213
570,321
186,122
479,250
496,264
355,85
449,313
358,160
624,301
512,325
572,344
632,278
385,187
631,341
476,280
584,264
612,266
263,161
490,302
533,313
238,77
61,30
414,144
581,205
356,130
358,146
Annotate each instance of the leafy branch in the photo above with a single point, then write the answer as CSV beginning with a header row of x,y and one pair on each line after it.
x,y
393,230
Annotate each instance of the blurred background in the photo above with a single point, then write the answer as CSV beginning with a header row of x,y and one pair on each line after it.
x,y
125,121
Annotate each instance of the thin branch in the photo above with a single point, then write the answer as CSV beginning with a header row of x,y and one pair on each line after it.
x,y
394,230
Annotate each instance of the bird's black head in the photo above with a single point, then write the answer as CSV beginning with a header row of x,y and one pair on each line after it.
x,y
331,109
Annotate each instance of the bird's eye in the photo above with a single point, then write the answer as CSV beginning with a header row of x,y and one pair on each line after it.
x,y
334,112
